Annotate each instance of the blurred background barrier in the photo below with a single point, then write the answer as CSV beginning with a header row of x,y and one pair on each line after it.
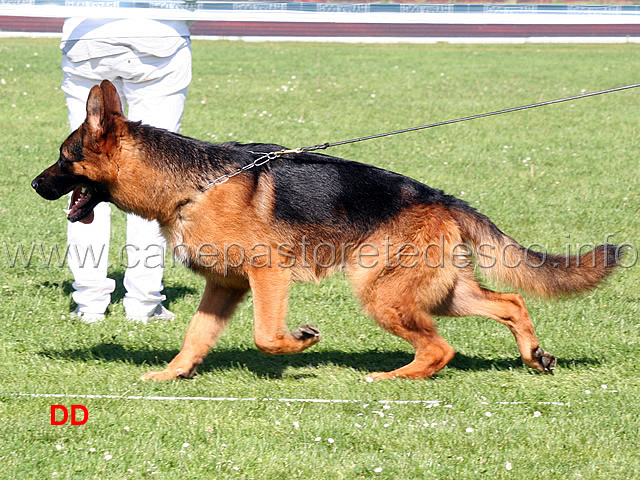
x,y
348,22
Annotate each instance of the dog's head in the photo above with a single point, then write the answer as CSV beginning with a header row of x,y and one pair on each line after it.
x,y
85,165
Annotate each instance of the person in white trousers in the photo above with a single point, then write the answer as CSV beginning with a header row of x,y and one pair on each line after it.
x,y
149,62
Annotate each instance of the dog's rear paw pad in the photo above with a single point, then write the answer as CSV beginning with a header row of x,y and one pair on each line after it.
x,y
545,359
307,332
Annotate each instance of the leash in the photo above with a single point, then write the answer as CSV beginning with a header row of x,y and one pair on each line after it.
x,y
267,157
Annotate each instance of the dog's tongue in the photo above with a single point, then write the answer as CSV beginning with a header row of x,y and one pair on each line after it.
x,y
88,219
74,198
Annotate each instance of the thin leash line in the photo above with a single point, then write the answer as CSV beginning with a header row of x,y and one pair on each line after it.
x,y
472,117
267,157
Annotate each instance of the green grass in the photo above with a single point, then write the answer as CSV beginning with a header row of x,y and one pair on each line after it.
x,y
565,173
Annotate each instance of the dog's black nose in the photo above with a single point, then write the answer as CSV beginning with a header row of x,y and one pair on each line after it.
x,y
35,183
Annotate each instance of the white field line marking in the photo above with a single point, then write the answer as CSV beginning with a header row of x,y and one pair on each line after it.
x,y
216,399
435,403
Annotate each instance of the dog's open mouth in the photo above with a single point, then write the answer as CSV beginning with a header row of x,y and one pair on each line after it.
x,y
83,200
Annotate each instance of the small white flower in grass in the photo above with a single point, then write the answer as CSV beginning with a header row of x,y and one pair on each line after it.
x,y
330,440
317,439
296,425
186,445
587,392
107,456
127,428
508,466
603,386
488,414
58,447
277,422
469,430
368,379
92,449
377,469
537,414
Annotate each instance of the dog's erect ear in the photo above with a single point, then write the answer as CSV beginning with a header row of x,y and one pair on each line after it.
x,y
95,110
111,98
103,103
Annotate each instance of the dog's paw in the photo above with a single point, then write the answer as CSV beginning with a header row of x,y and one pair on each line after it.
x,y
308,334
545,362
164,375
378,376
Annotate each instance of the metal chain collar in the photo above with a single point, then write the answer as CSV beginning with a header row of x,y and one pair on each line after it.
x,y
265,158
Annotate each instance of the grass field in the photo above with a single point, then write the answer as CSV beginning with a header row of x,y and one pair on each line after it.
x,y
560,175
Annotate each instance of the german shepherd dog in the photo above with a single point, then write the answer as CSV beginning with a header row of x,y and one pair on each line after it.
x,y
409,250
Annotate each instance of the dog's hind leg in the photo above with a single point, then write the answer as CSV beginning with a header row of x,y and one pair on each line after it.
x,y
398,298
469,298
270,288
213,314
401,317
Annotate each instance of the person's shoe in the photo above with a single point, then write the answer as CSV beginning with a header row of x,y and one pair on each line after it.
x,y
86,317
158,313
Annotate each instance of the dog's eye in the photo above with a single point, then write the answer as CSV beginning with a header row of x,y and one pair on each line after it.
x,y
63,163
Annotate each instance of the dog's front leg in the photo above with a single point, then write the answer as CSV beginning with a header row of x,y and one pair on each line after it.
x,y
270,287
213,314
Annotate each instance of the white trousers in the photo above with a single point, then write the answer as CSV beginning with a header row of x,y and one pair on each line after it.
x,y
154,89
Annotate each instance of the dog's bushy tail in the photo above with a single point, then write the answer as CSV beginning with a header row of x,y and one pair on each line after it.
x,y
499,257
